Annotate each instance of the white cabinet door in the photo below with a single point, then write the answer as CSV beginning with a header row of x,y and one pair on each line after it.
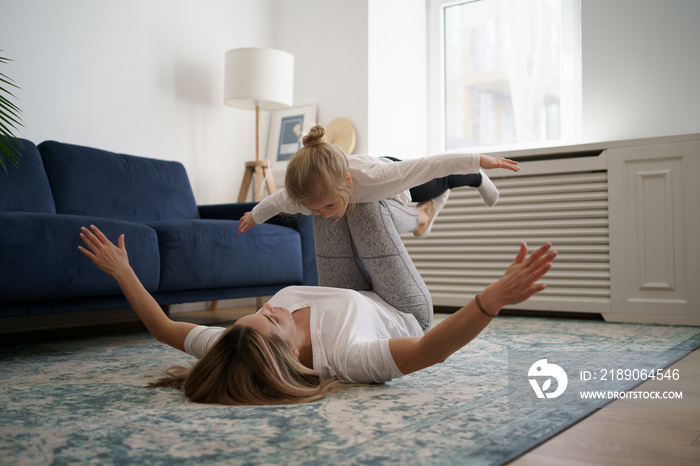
x,y
654,195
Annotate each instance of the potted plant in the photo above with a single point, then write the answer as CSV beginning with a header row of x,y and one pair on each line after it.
x,y
9,120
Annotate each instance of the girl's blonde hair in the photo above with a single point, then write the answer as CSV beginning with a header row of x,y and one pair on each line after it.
x,y
246,368
317,171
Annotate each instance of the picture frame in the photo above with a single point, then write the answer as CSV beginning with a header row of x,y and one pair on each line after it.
x,y
287,128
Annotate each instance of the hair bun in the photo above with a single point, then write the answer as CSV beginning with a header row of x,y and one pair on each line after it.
x,y
317,135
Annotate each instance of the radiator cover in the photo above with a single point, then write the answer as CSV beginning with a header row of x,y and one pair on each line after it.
x,y
558,198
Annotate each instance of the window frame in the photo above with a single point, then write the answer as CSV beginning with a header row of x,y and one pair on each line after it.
x,y
571,104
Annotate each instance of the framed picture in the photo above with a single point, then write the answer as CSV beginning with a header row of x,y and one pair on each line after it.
x,y
287,128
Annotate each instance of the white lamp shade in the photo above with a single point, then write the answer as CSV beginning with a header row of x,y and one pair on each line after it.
x,y
257,76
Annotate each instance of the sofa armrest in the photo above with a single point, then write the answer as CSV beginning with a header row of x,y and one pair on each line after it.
x,y
302,223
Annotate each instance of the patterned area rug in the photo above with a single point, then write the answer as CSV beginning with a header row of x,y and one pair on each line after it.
x,y
82,402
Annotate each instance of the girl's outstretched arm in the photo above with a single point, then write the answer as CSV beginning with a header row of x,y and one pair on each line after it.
x,y
516,285
114,261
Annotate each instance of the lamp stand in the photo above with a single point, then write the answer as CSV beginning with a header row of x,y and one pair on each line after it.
x,y
260,168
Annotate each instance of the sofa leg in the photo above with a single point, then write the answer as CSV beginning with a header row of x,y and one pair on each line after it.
x,y
212,305
166,309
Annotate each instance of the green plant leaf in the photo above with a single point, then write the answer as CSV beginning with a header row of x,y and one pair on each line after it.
x,y
9,115
10,119
10,147
9,110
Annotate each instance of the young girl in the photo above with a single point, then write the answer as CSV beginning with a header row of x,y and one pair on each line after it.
x,y
367,322
322,180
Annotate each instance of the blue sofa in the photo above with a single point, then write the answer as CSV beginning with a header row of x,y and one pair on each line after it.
x,y
182,252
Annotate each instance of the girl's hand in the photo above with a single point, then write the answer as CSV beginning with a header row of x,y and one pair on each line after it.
x,y
487,162
518,282
246,223
109,258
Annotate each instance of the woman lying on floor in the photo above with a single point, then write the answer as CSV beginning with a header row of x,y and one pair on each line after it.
x,y
368,321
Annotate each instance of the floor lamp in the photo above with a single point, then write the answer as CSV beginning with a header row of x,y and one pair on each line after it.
x,y
259,79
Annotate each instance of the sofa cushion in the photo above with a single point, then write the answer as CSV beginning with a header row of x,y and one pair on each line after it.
x,y
40,257
199,254
87,181
25,188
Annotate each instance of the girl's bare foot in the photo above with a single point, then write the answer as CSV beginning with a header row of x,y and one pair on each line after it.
x,y
426,212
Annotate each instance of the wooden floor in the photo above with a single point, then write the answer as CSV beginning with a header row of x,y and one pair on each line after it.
x,y
630,432
624,432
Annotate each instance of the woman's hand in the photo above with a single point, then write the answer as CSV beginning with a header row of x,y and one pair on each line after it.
x,y
518,282
487,162
114,261
109,258
246,223
516,285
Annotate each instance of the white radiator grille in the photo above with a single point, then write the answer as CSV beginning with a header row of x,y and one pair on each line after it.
x,y
471,245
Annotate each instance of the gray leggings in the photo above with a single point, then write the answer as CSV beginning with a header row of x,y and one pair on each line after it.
x,y
363,251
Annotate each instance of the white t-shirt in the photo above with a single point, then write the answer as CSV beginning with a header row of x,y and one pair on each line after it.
x,y
350,332
376,179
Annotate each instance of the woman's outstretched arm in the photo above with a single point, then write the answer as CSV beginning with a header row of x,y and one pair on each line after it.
x,y
516,285
114,261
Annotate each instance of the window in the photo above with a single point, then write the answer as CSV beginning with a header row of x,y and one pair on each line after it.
x,y
504,73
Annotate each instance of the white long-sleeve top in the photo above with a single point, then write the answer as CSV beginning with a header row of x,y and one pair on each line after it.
x,y
375,179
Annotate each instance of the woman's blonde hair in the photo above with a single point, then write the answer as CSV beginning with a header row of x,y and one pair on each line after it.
x,y
317,171
246,368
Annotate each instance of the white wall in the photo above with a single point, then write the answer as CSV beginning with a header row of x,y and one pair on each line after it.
x,y
328,39
641,68
361,60
397,93
138,77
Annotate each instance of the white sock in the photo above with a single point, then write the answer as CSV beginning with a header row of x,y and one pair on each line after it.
x,y
487,190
